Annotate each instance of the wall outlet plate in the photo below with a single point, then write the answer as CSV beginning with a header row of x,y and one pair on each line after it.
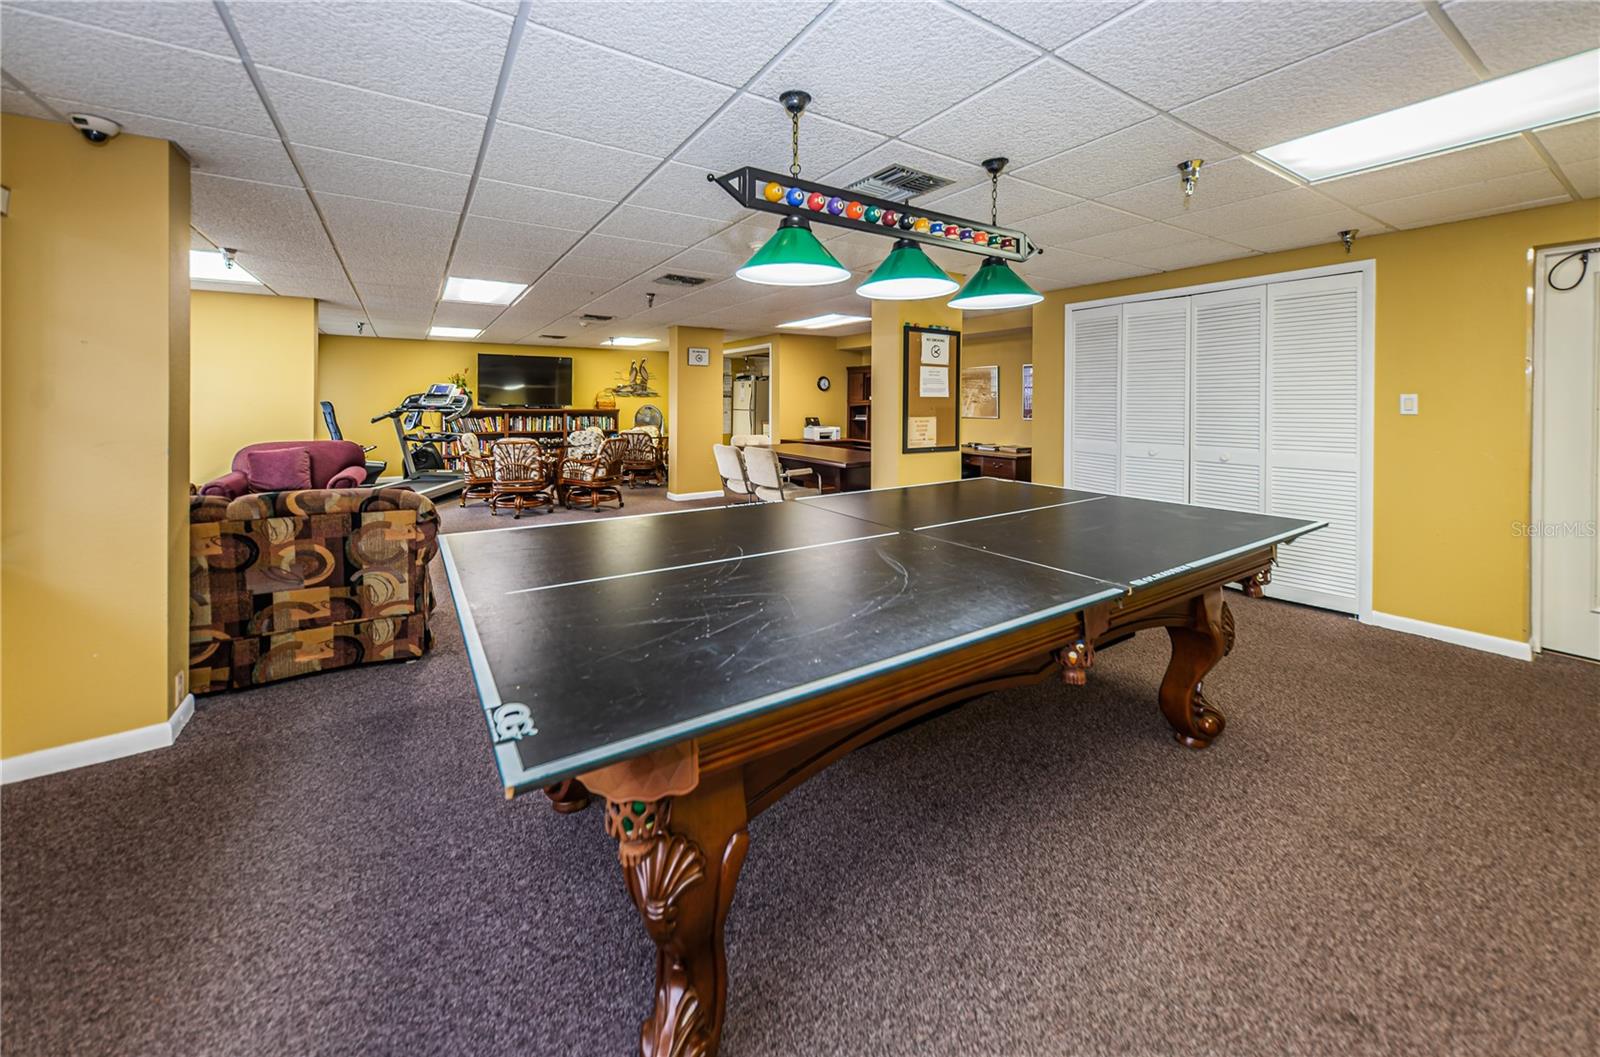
x,y
1408,403
699,357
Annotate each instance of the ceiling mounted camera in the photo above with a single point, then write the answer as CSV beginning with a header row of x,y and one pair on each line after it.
x,y
95,129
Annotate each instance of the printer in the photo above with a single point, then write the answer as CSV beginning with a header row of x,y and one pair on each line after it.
x,y
822,433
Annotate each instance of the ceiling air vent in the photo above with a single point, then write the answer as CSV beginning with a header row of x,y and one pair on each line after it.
x,y
592,318
554,337
673,279
899,183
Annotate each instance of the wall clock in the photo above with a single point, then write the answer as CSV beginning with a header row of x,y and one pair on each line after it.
x,y
824,384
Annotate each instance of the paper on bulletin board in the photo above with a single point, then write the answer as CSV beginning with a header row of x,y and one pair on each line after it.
x,y
936,349
922,431
935,381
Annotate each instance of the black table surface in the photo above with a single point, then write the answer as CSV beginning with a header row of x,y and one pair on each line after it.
x,y
619,635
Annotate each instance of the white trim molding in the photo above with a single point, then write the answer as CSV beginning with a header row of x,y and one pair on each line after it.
x,y
1472,640
97,750
686,497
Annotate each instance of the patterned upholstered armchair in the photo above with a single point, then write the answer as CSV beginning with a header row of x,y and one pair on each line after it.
x,y
642,457
594,479
522,469
584,443
289,583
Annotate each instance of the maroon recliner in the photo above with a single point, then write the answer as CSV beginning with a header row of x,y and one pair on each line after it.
x,y
334,464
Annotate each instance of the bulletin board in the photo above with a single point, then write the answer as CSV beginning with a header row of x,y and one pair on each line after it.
x,y
931,390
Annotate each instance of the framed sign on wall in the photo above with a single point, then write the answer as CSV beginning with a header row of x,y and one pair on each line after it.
x,y
930,390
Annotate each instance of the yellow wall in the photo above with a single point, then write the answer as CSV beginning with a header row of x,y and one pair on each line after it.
x,y
696,412
798,360
367,376
252,375
890,465
95,447
1003,340
1453,325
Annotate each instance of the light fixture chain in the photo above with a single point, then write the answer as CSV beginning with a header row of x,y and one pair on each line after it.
x,y
994,199
794,165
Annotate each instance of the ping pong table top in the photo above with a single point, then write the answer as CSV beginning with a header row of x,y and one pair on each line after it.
x,y
591,642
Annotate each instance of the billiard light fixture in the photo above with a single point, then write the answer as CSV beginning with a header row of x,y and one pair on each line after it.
x,y
793,256
995,285
907,274
481,291
1544,95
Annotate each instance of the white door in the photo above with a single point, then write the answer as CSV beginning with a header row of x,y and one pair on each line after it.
x,y
1155,399
1092,427
1225,454
1568,330
1314,430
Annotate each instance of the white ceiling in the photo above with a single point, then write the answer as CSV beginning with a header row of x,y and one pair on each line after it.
x,y
359,152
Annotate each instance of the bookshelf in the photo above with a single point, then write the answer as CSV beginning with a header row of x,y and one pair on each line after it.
x,y
501,422
858,403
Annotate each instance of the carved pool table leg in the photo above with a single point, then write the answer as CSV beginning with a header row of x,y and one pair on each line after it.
x,y
1252,585
568,796
680,859
1196,648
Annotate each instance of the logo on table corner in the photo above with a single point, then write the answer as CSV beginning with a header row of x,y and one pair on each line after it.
x,y
512,721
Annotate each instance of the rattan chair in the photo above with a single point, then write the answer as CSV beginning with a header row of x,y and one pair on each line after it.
x,y
475,459
594,479
642,457
521,476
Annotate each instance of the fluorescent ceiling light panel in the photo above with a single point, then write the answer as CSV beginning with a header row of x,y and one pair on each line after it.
x,y
453,332
832,319
629,342
210,266
482,291
1544,95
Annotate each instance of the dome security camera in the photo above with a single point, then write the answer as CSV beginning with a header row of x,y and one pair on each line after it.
x,y
95,129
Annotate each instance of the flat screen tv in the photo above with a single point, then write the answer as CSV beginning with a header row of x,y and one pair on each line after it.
x,y
524,381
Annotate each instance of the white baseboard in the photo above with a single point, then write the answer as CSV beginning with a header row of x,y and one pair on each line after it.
x,y
97,750
684,497
1473,640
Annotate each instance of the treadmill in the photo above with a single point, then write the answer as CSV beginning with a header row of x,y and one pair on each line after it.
x,y
425,471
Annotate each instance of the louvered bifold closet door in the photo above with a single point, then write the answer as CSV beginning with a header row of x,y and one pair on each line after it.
x,y
1314,435
1230,370
1155,399
1095,342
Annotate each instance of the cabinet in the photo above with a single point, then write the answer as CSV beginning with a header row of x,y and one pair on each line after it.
x,y
858,403
1249,398
552,422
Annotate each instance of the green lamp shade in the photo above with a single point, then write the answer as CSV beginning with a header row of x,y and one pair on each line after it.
x,y
907,275
793,257
995,286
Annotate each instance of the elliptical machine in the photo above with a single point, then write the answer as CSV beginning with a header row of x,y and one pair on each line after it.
x,y
424,462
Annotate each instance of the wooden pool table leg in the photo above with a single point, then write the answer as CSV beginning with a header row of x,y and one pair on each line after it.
x,y
683,894
1196,648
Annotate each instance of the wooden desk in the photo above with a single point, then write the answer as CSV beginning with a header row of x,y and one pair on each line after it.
x,y
1008,465
838,469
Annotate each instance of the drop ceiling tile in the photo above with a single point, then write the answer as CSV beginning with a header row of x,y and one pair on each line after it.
x,y
533,158
511,252
535,205
1403,64
1225,43
1038,111
70,61
459,314
1293,234
1294,203
1470,165
1019,200
858,249
695,37
292,282
1135,240
934,56
387,328
1123,159
442,52
181,24
961,173
1046,24
1084,220
15,102
1511,35
611,257
211,150
1233,180
1505,193
1576,148
710,263
685,189
1053,264
1097,271
756,131
259,218
334,172
386,238
320,114
230,288
578,89
655,225
1188,255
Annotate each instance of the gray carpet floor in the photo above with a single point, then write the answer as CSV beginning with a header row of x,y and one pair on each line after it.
x,y
1394,849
